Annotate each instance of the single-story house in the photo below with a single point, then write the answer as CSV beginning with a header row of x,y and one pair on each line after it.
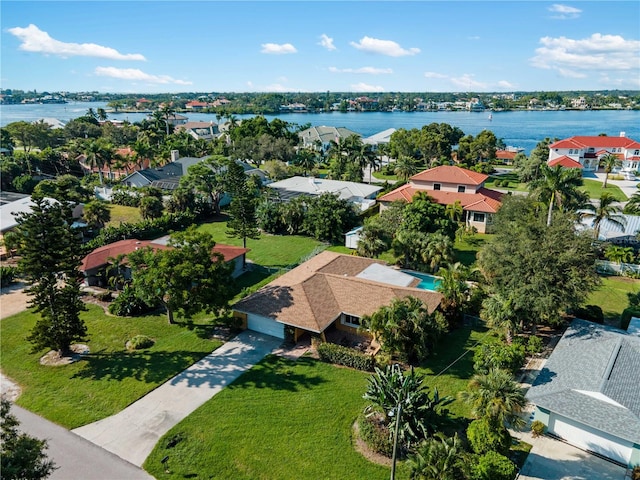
x,y
330,290
588,392
380,138
360,194
450,184
613,232
94,264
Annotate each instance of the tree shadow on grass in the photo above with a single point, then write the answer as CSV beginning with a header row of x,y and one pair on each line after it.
x,y
451,349
276,373
149,367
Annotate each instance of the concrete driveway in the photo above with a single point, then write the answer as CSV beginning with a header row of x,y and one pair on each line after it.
x,y
551,459
132,433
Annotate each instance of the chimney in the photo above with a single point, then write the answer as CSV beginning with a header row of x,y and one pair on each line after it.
x,y
174,155
623,134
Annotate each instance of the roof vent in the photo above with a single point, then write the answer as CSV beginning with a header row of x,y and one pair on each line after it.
x,y
623,134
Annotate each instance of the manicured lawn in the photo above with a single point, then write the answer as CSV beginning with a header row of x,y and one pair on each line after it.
x,y
109,378
466,250
511,177
382,176
594,189
274,251
456,377
282,419
121,214
611,296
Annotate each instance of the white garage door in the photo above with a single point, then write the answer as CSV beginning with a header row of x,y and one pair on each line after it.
x,y
265,325
587,438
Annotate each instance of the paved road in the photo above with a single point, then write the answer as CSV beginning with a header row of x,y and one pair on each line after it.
x,y
75,457
132,433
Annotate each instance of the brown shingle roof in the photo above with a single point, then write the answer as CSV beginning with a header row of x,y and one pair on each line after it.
x,y
314,294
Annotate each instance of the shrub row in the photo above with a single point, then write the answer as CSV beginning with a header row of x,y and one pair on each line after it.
x,y
332,353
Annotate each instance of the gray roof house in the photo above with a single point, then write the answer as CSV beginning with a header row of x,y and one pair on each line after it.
x,y
165,177
324,136
588,392
361,194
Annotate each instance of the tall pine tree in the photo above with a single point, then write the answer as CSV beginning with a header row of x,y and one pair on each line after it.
x,y
50,259
243,223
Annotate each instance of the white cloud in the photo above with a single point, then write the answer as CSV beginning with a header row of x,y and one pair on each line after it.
x,y
137,75
467,81
278,49
506,85
365,70
327,42
383,47
364,87
574,58
250,84
276,87
564,11
35,40
434,75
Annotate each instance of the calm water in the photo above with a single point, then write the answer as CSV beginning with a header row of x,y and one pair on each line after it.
x,y
427,282
520,129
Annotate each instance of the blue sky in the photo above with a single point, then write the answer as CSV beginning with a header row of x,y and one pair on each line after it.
x,y
296,46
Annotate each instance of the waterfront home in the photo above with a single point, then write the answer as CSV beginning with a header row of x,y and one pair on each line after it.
x,y
587,151
200,130
362,195
380,138
320,138
329,292
196,105
587,392
447,185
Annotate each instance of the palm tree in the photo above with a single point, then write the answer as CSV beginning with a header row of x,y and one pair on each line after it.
x,y
633,205
96,214
307,159
454,289
497,397
439,250
437,458
454,211
102,114
500,313
557,186
405,167
605,210
609,162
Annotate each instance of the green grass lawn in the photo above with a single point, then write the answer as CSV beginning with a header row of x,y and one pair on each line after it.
x,y
611,296
382,176
594,189
466,250
281,419
273,251
511,177
109,378
121,214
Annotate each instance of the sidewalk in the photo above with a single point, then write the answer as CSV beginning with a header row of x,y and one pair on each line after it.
x,y
133,433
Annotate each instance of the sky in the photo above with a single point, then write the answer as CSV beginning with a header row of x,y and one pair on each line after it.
x,y
305,46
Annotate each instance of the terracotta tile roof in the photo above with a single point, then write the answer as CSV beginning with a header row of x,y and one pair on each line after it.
x,y
100,256
505,154
565,162
451,174
485,200
314,294
596,142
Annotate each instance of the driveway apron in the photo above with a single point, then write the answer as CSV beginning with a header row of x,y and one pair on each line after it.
x,y
132,433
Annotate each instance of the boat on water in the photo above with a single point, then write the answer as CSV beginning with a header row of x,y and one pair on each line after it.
x,y
490,116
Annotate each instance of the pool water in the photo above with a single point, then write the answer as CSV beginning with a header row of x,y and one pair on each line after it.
x,y
427,282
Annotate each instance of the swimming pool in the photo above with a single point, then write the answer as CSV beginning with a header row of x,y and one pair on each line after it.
x,y
427,282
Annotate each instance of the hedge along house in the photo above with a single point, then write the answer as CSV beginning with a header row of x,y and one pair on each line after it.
x,y
447,185
94,265
329,291
588,392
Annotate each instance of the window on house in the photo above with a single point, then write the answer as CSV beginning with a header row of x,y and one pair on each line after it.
x,y
350,320
571,151
436,186
478,217
461,188
636,152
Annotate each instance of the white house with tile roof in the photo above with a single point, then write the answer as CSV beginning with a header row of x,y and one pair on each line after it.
x,y
587,151
588,392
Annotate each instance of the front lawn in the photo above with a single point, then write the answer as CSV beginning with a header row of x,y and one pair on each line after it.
x,y
611,296
595,190
281,419
121,214
511,178
109,378
273,251
466,250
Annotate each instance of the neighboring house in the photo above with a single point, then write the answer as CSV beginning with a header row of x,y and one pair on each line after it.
x,y
321,137
197,105
360,194
54,123
120,167
94,265
352,237
176,119
614,233
448,184
294,108
329,291
588,392
587,151
166,177
200,130
505,156
380,138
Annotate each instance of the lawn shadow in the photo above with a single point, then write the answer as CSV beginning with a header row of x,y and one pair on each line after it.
x,y
144,366
454,347
277,373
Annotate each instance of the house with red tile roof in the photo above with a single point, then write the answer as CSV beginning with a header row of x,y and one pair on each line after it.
x,y
448,184
506,156
589,150
329,292
197,105
94,264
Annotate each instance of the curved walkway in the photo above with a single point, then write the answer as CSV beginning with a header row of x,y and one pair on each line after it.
x,y
132,433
